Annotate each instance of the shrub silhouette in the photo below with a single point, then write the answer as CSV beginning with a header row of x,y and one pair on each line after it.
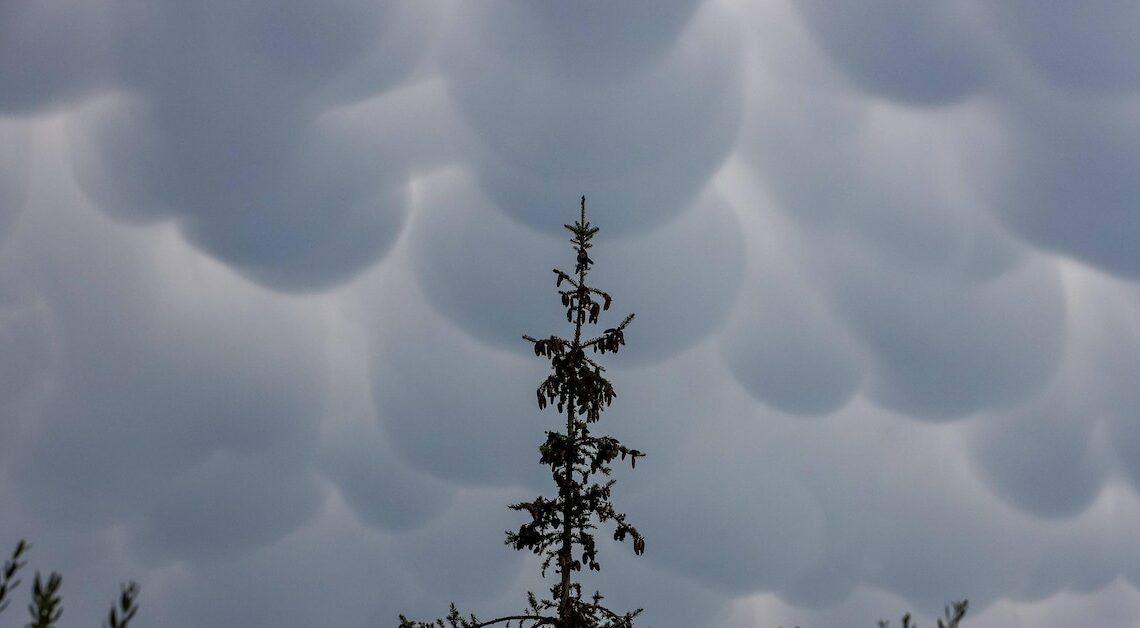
x,y
953,615
47,607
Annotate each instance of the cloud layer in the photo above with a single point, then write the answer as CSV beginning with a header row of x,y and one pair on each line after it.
x,y
264,269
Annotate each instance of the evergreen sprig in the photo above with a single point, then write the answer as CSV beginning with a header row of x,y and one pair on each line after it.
x,y
953,614
47,603
46,606
8,579
128,606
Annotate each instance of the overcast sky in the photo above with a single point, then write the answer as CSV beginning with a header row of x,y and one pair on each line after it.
x,y
264,268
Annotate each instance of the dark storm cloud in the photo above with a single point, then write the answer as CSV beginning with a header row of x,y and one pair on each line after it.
x,y
52,52
592,41
1041,458
839,227
1088,48
784,343
289,583
380,490
944,349
928,284
644,145
712,544
441,552
1058,171
1109,368
669,599
951,536
836,162
834,508
481,270
1053,455
451,406
26,340
275,495
217,130
159,393
14,145
922,53
718,497
1055,167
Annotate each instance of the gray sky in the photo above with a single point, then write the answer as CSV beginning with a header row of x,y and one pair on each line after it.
x,y
264,266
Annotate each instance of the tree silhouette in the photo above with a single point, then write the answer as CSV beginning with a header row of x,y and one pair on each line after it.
x,y
47,607
561,529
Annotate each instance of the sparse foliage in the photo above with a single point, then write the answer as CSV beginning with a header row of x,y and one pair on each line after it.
x,y
47,604
128,606
561,529
952,615
11,567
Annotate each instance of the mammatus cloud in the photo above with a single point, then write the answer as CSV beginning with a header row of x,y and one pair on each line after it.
x,y
785,342
151,359
934,342
13,173
1054,173
213,124
1083,51
52,53
895,244
252,206
493,297
920,53
264,268
451,406
643,142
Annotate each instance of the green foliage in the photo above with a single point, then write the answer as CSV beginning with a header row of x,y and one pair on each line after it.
x,y
47,604
561,528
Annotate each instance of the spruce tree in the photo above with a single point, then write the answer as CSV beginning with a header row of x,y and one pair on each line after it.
x,y
561,529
